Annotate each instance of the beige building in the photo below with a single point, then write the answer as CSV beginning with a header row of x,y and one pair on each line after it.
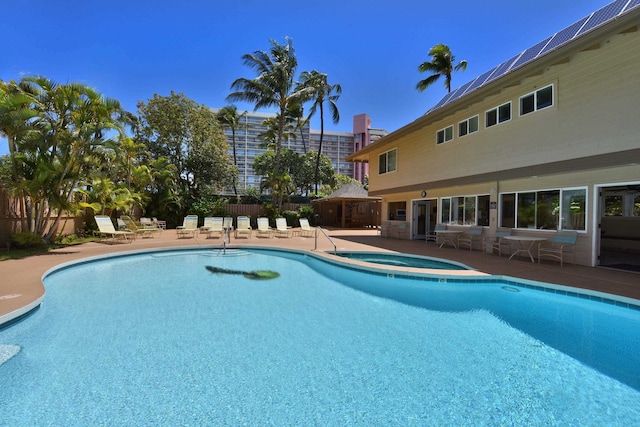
x,y
547,140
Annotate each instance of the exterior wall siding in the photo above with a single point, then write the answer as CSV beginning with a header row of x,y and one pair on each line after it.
x,y
582,141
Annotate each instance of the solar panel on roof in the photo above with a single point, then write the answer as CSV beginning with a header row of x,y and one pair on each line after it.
x,y
442,102
632,4
460,92
501,69
564,36
575,30
603,15
530,53
480,80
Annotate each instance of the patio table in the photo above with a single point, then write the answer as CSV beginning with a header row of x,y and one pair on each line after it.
x,y
524,244
450,236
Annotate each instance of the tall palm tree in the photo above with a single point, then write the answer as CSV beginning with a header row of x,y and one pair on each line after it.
x,y
441,64
315,86
296,114
273,86
229,117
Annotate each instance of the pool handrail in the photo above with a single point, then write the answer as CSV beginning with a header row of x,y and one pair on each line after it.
x,y
335,250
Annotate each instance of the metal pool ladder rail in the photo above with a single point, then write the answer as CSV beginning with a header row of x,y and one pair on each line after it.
x,y
335,250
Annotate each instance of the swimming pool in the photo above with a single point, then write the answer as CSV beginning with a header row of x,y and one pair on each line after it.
x,y
402,260
323,344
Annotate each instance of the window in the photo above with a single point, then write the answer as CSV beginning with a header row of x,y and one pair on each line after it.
x,y
549,209
465,210
387,161
444,135
468,126
537,100
498,115
397,211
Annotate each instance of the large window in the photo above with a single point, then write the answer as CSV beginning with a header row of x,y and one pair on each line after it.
x,y
387,161
465,210
537,100
498,115
550,209
444,135
468,126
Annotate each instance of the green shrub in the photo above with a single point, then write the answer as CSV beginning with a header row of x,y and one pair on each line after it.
x,y
271,211
306,212
291,217
26,239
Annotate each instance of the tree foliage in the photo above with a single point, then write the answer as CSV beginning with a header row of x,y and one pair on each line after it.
x,y
442,64
190,138
230,117
315,87
273,86
58,135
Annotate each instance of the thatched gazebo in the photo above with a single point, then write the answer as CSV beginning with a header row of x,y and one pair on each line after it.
x,y
350,206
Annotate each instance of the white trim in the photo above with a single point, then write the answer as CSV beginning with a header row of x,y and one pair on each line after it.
x,y
497,110
444,134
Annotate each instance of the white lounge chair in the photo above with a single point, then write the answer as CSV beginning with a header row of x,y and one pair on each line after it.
x,y
305,229
264,230
131,225
212,227
281,228
244,227
106,228
189,227
227,223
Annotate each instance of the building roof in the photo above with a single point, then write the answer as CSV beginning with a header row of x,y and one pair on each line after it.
x,y
575,37
351,191
574,31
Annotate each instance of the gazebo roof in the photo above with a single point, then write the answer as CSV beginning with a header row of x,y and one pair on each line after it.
x,y
351,191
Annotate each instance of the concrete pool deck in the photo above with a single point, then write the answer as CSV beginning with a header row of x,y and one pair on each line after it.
x,y
21,287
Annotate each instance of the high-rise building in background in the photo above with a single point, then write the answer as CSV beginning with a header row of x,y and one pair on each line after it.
x,y
335,145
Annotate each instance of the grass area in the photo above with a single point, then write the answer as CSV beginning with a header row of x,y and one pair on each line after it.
x,y
22,253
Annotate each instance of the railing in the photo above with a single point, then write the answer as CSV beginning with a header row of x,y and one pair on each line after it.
x,y
335,250
227,235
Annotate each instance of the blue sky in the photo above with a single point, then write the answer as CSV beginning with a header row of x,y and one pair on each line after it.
x,y
133,49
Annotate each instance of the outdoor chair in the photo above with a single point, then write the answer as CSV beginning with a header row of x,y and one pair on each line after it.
x,y
264,230
131,225
433,236
496,242
474,234
305,229
563,243
212,227
281,228
189,227
106,229
243,228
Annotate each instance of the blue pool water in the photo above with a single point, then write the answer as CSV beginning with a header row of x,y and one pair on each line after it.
x,y
156,339
402,260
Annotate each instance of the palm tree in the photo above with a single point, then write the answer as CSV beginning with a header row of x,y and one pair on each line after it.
x,y
441,64
70,127
273,86
296,114
314,85
228,116
15,111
